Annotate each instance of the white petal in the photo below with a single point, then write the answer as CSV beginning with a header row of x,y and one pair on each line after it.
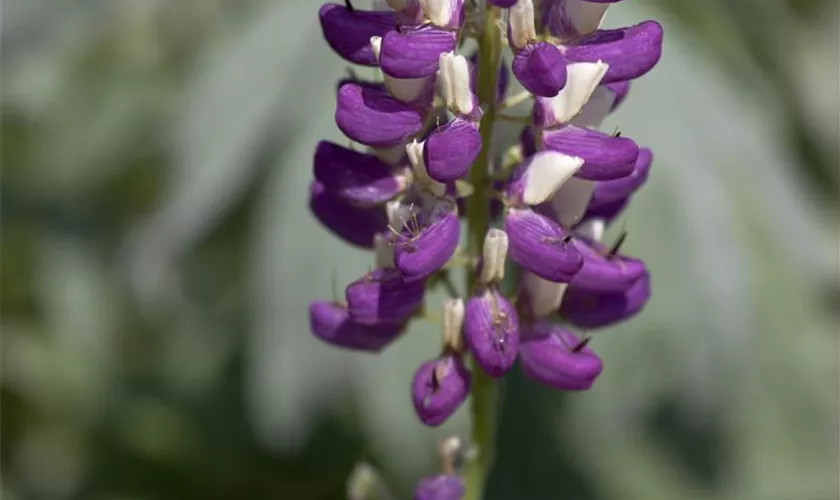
x,y
454,78
544,297
453,320
414,150
592,229
571,200
383,251
583,79
439,12
586,16
521,22
392,156
402,89
548,171
596,109
495,254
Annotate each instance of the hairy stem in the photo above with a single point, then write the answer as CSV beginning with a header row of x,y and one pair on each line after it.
x,y
478,220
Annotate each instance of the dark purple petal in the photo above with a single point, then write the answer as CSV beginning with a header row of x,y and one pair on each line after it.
x,y
528,141
620,89
606,273
355,177
348,32
548,355
372,117
607,192
505,4
414,53
442,487
538,244
438,389
541,69
451,149
420,252
491,330
354,225
630,52
587,309
605,156
552,16
331,323
383,296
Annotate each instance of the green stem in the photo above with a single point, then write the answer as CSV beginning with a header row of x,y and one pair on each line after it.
x,y
478,220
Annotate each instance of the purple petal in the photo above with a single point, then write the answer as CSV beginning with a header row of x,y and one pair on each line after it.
x,y
438,389
491,330
541,69
552,16
587,309
355,225
414,53
548,355
348,32
605,156
528,141
620,89
607,192
451,149
538,244
423,251
442,487
357,178
630,52
331,323
372,117
505,4
383,296
606,273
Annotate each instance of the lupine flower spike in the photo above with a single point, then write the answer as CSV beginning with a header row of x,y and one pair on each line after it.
x,y
534,219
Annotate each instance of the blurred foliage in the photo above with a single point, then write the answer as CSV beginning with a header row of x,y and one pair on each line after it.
x,y
155,271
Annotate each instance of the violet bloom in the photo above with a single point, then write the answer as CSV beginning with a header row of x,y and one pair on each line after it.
x,y
441,487
421,148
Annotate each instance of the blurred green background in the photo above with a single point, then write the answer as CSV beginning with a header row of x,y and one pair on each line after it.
x,y
158,256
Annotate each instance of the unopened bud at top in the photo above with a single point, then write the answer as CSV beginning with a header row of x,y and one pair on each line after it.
x,y
495,254
522,24
453,320
454,78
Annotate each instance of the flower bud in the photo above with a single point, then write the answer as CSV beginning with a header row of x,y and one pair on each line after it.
x,y
451,149
442,487
439,388
453,321
541,69
491,329
383,296
494,256
331,323
454,79
521,24
554,356
539,245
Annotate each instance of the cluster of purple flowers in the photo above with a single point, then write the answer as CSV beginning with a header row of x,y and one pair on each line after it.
x,y
553,193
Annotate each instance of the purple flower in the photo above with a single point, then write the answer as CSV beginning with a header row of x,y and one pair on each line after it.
x,y
442,487
357,178
588,309
451,149
383,296
614,190
540,245
554,356
370,116
439,388
428,241
414,52
491,329
348,31
604,270
331,323
357,226
605,157
541,69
